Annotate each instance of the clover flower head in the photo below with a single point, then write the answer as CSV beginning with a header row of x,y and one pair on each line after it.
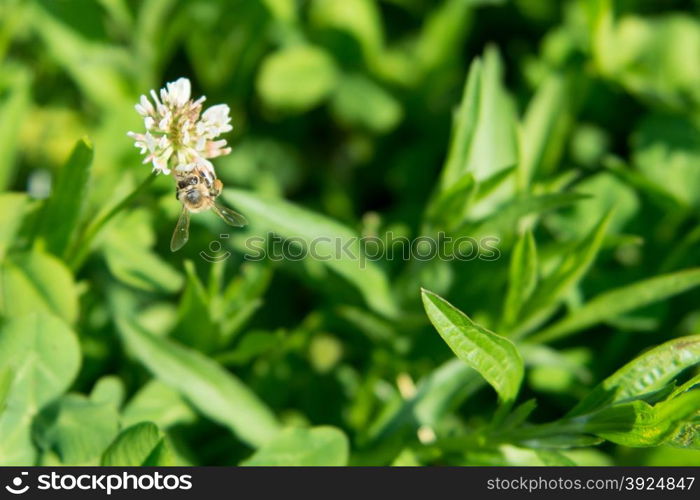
x,y
178,135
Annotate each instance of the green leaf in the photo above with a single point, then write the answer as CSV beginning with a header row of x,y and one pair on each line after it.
x,y
484,138
646,373
14,207
542,137
37,282
215,392
195,326
43,355
77,429
133,446
463,128
359,18
503,221
5,384
61,213
613,303
95,67
448,209
319,446
522,277
438,393
158,403
562,280
493,356
666,153
128,251
494,146
14,103
274,215
640,424
297,78
108,389
359,102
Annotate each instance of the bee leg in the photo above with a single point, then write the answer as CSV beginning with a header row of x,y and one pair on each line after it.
x,y
217,188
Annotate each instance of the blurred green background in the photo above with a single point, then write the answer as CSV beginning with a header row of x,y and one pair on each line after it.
x,y
350,111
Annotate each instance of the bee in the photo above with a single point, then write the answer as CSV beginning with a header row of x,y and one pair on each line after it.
x,y
198,190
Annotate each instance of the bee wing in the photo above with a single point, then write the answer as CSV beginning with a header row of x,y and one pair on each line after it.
x,y
182,231
230,217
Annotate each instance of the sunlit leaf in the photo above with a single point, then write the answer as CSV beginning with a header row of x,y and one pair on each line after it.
x,y
650,371
133,446
640,424
494,357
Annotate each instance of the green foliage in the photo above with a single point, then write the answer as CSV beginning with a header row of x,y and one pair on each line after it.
x,y
140,444
319,446
61,212
494,357
557,178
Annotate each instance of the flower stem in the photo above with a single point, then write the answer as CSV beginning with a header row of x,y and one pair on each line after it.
x,y
83,245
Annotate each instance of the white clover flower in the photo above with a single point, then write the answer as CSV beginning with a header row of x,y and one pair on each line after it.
x,y
176,135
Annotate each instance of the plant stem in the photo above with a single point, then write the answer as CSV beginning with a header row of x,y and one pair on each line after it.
x,y
83,245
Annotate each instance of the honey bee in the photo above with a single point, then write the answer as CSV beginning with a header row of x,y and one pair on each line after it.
x,y
197,190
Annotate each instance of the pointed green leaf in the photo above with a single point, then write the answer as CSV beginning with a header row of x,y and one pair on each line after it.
x,y
522,277
483,139
61,213
613,303
15,88
646,373
14,207
640,424
463,128
562,280
319,446
493,356
541,139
